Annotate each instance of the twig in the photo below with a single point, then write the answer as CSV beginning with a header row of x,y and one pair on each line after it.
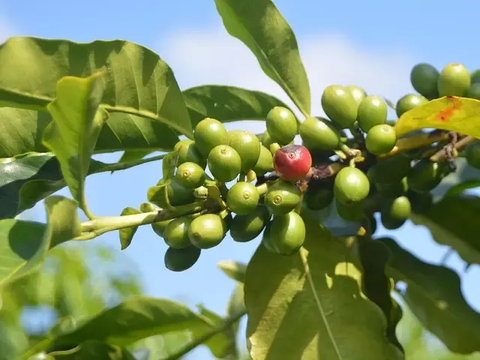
x,y
459,145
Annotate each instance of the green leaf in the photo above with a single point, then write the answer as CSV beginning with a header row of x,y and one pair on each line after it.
x,y
374,257
132,155
236,304
224,344
24,244
138,82
29,178
127,234
261,27
169,165
228,103
453,222
435,297
464,173
21,131
316,290
233,269
136,318
451,113
72,135
460,188
91,350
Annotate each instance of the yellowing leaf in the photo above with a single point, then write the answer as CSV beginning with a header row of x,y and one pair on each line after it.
x,y
451,113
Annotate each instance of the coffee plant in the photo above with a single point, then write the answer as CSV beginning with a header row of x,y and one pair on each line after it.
x,y
313,289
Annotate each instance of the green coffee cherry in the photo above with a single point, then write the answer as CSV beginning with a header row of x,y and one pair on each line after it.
x,y
473,91
243,198
160,226
224,163
421,202
318,199
400,208
288,233
426,175
282,197
390,223
357,93
381,139
390,170
247,227
393,190
424,79
176,233
208,134
281,125
264,163
177,195
207,231
267,238
247,145
475,76
350,212
351,185
408,102
267,140
472,153
319,134
181,259
190,175
454,80
372,111
188,152
339,105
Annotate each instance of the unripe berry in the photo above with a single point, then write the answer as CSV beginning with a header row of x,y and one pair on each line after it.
x,y
292,162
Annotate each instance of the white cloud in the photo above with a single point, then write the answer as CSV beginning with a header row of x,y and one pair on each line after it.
x,y
206,57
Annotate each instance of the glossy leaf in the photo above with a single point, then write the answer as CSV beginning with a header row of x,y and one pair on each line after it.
x,y
95,350
136,318
148,86
77,121
435,297
451,113
126,235
21,131
29,178
261,27
453,221
24,244
374,257
228,103
319,294
233,269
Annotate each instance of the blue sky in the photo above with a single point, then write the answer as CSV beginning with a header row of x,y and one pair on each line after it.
x,y
370,43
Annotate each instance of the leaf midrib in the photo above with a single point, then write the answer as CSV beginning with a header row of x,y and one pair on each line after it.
x,y
109,108
311,283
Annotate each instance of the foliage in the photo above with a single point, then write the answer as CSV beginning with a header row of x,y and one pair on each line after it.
x,y
320,283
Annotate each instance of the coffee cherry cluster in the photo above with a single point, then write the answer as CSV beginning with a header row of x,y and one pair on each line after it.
x,y
244,184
